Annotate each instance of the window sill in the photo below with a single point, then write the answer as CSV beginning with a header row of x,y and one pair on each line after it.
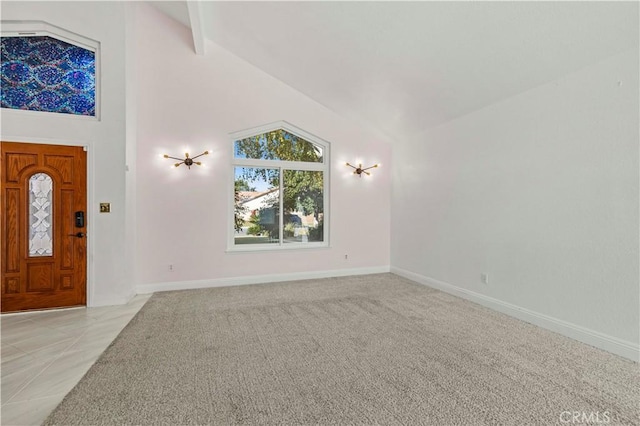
x,y
265,248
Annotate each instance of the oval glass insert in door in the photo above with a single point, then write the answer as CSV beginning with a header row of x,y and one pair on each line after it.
x,y
40,215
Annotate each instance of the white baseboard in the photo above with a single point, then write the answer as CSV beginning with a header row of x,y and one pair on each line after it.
x,y
611,344
256,279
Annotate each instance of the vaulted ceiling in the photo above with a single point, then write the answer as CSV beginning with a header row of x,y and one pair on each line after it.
x,y
400,68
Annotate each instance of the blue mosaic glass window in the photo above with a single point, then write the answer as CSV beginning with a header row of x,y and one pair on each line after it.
x,y
41,73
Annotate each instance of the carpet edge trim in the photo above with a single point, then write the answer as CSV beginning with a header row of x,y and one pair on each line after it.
x,y
257,279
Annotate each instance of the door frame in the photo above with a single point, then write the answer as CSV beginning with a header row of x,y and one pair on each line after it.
x,y
91,214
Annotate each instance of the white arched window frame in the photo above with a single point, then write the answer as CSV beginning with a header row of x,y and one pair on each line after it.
x,y
41,28
282,166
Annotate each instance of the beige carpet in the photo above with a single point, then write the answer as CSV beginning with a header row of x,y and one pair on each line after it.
x,y
374,349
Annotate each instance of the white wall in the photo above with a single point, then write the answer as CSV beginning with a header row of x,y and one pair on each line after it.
x,y
192,103
539,191
105,23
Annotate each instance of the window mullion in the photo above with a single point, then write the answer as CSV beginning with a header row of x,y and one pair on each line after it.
x,y
272,164
281,207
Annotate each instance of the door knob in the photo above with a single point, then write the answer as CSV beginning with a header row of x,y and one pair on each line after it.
x,y
78,235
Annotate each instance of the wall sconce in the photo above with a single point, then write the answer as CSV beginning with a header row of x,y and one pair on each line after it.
x,y
359,170
187,161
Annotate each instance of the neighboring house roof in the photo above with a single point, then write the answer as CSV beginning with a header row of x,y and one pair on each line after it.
x,y
246,196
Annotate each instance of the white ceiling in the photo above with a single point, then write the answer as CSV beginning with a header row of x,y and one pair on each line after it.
x,y
402,67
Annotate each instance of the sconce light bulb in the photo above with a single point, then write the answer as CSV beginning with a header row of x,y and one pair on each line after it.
x,y
176,165
206,153
198,163
165,156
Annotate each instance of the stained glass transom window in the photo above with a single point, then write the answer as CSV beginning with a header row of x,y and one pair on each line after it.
x,y
41,73
40,215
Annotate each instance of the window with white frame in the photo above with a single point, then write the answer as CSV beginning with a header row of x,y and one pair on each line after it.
x,y
280,187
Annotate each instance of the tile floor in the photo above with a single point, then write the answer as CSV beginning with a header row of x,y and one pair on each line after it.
x,y
44,354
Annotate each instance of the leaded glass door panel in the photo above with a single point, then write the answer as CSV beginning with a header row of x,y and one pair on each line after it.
x,y
44,248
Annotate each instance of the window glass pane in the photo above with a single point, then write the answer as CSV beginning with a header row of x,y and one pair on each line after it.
x,y
40,215
278,145
303,201
41,73
256,205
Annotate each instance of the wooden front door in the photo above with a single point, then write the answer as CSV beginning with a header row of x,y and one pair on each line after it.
x,y
44,247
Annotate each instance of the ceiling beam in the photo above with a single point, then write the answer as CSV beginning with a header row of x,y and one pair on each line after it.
x,y
197,31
